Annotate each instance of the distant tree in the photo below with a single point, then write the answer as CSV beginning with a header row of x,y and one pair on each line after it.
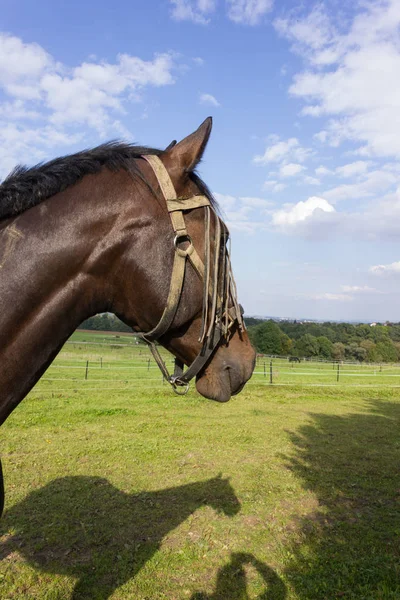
x,y
363,331
307,346
370,348
105,322
251,321
386,351
325,347
394,332
286,343
268,338
338,351
355,352
328,340
379,333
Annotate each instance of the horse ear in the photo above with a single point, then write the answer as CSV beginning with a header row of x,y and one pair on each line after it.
x,y
188,152
171,145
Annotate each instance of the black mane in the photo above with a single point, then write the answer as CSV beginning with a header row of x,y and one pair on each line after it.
x,y
26,187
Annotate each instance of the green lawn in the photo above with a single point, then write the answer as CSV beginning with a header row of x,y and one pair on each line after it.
x,y
117,488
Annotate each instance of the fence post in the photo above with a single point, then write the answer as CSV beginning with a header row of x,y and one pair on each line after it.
x,y
148,364
101,362
270,371
338,369
265,371
87,369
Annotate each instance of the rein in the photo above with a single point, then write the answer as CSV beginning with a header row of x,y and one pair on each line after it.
x,y
219,287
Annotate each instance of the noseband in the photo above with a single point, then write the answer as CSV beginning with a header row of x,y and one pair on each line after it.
x,y
220,306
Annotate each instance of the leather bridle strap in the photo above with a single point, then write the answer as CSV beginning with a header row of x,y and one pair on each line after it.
x,y
216,319
175,207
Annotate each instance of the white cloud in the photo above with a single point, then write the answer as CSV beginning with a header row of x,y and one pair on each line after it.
x,y
47,104
391,269
206,5
192,10
322,171
29,144
21,62
321,136
311,180
316,218
283,151
17,110
249,12
273,185
255,202
209,100
225,201
291,214
350,74
93,90
380,220
239,212
374,182
333,297
309,34
359,167
357,289
290,170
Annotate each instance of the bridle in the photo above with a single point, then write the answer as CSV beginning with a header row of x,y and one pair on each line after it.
x,y
221,309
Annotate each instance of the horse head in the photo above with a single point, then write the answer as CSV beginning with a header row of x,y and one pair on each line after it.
x,y
149,268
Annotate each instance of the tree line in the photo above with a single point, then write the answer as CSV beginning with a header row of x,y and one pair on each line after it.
x,y
328,341
105,322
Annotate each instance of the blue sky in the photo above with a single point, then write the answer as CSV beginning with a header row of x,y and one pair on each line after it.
x,y
304,156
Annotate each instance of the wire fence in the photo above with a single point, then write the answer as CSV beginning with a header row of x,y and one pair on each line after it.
x,y
107,367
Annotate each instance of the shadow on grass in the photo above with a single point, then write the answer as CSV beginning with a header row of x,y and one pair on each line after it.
x,y
232,581
86,528
349,547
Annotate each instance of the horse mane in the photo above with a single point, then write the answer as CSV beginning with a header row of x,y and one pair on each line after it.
x,y
26,187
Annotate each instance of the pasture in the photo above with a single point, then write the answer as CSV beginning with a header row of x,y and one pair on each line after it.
x,y
118,488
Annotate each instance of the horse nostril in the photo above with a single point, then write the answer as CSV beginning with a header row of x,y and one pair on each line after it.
x,y
235,379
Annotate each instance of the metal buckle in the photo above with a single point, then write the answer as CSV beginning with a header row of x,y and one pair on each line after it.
x,y
176,383
183,238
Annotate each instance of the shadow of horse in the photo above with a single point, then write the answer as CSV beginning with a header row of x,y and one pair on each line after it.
x,y
349,543
86,528
232,581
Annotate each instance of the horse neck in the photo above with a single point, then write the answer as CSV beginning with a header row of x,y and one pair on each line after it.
x,y
48,281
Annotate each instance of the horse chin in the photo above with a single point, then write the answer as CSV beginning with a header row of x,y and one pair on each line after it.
x,y
215,387
220,385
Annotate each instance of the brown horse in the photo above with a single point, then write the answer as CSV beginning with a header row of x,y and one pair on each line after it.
x,y
91,233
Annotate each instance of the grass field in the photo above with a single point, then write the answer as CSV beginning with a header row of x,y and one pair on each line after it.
x,y
117,488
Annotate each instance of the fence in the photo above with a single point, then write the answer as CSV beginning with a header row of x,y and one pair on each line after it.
x,y
281,371
107,366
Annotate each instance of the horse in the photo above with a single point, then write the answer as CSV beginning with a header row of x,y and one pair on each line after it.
x,y
124,229
103,552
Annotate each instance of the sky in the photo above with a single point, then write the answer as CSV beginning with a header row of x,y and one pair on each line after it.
x,y
304,157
